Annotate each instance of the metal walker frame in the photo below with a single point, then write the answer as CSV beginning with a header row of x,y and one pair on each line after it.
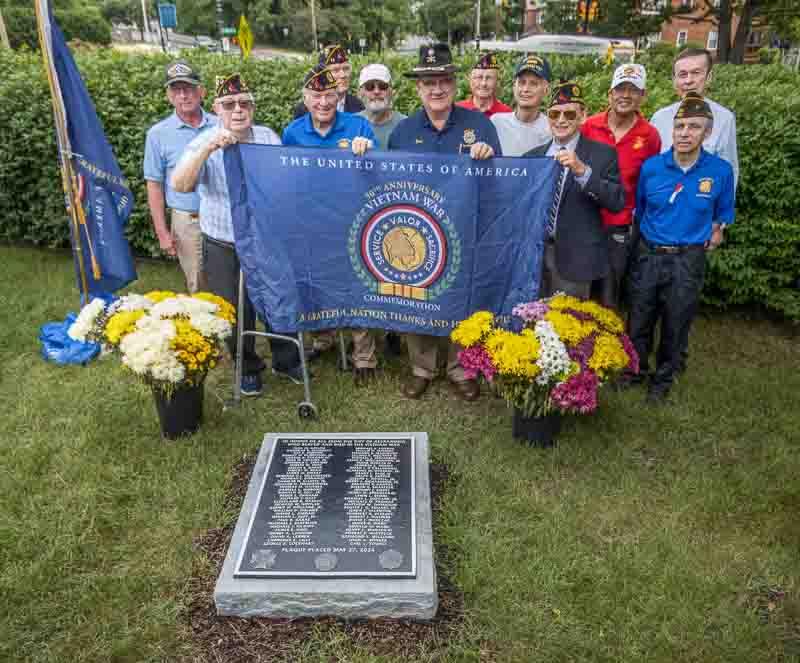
x,y
305,408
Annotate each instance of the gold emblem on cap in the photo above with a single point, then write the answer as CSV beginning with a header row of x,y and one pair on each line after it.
x,y
469,136
576,91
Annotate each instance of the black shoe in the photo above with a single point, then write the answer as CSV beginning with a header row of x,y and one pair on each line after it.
x,y
657,395
363,376
315,353
295,374
393,346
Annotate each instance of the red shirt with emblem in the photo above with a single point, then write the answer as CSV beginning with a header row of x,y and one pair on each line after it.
x,y
637,146
497,107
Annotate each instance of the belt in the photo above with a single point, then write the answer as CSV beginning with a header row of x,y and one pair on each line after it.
x,y
218,242
192,215
671,248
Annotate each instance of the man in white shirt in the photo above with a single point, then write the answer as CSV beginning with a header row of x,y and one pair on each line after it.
x,y
375,90
691,72
525,128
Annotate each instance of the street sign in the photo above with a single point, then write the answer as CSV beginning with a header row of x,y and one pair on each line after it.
x,y
228,32
167,15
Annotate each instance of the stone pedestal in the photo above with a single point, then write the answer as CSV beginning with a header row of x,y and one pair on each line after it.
x,y
262,578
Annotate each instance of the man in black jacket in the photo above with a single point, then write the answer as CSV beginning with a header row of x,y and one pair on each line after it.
x,y
576,249
335,58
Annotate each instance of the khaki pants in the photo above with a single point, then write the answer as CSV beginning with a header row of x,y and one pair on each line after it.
x,y
363,346
423,351
189,247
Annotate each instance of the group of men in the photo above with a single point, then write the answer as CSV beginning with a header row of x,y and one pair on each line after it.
x,y
636,202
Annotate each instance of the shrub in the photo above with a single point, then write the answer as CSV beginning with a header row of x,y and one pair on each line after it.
x,y
759,263
86,24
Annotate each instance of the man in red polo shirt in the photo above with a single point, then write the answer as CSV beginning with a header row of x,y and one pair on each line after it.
x,y
636,140
483,85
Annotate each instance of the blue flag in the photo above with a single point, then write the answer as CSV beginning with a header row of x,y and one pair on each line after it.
x,y
408,242
105,197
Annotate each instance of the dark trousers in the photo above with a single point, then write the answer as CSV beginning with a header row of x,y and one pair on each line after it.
x,y
221,268
608,290
553,282
665,287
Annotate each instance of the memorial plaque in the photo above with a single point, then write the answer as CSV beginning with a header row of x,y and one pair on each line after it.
x,y
336,507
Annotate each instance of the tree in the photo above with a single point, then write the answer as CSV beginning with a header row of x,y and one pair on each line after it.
x,y
607,18
453,21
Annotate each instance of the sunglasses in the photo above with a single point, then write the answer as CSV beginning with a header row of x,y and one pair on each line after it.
x,y
229,105
369,86
569,115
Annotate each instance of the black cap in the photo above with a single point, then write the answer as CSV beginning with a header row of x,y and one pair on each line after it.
x,y
181,71
434,60
535,64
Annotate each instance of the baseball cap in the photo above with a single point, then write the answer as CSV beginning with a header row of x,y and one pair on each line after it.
x,y
535,64
181,71
374,72
630,73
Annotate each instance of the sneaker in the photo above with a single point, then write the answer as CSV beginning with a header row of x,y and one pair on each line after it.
x,y
251,385
294,374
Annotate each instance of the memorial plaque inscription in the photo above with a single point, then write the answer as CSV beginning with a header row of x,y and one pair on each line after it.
x,y
334,507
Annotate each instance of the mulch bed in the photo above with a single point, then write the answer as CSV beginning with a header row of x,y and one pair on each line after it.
x,y
237,640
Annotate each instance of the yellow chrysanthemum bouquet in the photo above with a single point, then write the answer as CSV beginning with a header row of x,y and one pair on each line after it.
x,y
566,349
166,339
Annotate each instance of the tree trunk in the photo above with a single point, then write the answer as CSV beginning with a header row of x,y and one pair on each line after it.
x,y
742,31
724,36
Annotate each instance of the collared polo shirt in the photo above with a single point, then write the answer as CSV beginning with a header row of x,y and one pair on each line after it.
x,y
212,185
497,107
634,148
676,208
163,148
722,140
345,128
463,129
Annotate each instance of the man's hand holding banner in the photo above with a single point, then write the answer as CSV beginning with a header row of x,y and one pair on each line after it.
x,y
400,241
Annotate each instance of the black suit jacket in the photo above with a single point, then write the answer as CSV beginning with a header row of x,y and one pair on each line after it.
x,y
581,240
352,104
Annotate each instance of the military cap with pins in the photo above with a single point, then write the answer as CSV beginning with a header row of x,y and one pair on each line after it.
x,y
693,105
319,79
567,92
233,84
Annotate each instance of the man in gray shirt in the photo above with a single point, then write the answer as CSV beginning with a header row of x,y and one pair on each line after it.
x,y
526,128
375,90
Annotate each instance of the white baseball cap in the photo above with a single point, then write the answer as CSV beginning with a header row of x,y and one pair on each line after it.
x,y
374,72
630,73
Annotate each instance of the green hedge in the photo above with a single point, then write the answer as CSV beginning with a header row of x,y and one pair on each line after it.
x,y
760,262
86,24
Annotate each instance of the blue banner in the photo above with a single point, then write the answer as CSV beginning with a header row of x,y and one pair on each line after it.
x,y
392,240
104,194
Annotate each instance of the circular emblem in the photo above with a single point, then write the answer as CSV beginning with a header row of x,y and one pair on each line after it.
x,y
404,244
326,561
343,143
576,90
390,559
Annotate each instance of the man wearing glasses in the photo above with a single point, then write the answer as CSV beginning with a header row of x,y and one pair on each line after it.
x,y
202,169
483,86
165,143
444,128
375,90
576,249
325,126
335,59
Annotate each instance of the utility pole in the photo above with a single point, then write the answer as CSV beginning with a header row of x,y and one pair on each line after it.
x,y
314,26
497,22
478,28
145,22
3,34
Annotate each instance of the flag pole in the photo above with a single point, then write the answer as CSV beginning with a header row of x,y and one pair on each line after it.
x,y
68,179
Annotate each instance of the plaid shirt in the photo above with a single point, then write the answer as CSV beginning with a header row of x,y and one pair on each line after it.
x,y
215,204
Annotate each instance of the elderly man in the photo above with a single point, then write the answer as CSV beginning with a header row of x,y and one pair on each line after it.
x,y
441,127
165,143
336,60
324,126
684,198
691,72
636,140
483,86
526,128
202,169
375,90
576,249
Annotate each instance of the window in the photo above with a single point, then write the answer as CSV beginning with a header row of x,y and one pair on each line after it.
x,y
711,42
681,39
540,18
687,4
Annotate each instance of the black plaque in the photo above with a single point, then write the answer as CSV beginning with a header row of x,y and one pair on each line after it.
x,y
334,506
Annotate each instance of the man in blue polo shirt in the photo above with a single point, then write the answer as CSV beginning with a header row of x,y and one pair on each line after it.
x,y
684,199
165,143
441,127
325,126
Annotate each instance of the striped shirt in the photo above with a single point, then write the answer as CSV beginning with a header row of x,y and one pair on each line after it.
x,y
212,186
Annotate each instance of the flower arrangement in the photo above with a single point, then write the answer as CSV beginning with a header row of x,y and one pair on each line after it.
x,y
566,349
166,339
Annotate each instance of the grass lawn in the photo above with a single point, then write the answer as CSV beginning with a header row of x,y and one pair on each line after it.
x,y
666,534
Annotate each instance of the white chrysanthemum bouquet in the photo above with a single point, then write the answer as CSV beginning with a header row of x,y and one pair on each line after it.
x,y
166,339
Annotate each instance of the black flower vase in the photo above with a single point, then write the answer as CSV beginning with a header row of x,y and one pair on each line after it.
x,y
181,411
537,431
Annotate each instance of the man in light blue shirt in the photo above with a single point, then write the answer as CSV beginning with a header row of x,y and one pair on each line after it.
x,y
165,143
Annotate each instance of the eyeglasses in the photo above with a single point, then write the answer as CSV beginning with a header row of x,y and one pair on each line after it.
x,y
569,115
443,83
230,104
369,86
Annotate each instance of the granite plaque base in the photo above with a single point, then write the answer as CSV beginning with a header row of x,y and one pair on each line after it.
x,y
273,592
